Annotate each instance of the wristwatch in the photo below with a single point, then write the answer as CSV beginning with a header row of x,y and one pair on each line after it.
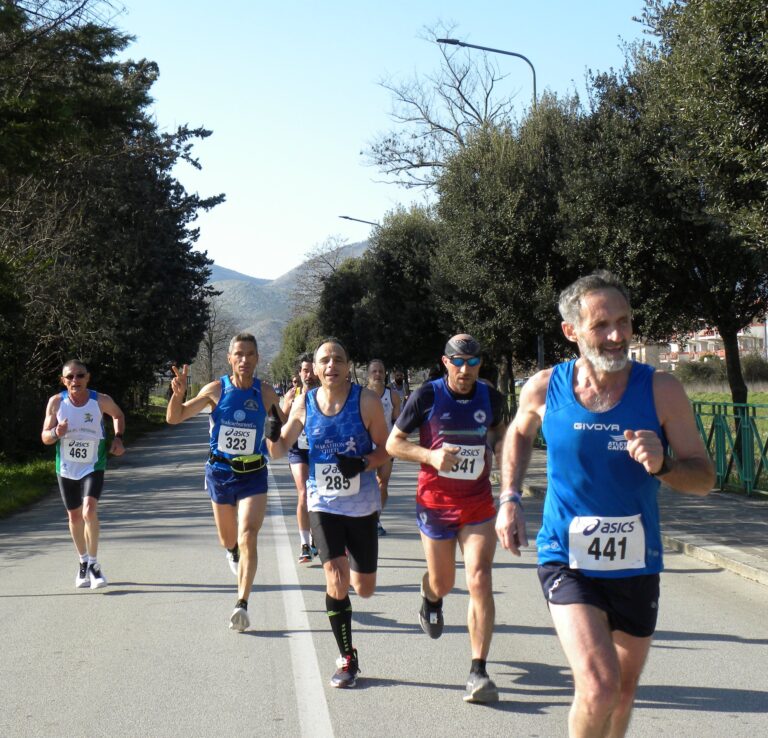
x,y
511,496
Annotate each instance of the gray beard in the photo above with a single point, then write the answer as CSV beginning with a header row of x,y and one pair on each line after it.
x,y
603,363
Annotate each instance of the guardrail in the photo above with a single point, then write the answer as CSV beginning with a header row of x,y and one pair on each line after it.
x,y
736,437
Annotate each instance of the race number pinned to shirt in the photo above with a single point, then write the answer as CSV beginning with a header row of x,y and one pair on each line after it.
x,y
238,441
470,464
606,544
331,482
80,450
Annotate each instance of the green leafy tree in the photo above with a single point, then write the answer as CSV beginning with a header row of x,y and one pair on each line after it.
x,y
302,335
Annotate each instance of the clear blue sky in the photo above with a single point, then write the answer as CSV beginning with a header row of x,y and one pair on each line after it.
x,y
290,91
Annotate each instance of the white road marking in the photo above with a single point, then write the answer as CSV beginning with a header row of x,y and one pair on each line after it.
x,y
314,718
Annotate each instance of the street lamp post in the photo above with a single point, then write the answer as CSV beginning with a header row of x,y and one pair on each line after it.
x,y
456,42
360,220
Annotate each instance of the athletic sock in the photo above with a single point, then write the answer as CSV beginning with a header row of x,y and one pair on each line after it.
x,y
92,561
235,551
241,603
478,666
83,558
340,615
304,537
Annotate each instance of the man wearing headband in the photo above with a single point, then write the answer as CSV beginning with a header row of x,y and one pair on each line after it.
x,y
460,421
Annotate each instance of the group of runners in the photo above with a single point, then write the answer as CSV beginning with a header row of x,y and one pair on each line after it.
x,y
613,428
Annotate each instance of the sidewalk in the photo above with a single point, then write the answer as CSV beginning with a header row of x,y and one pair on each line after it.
x,y
724,529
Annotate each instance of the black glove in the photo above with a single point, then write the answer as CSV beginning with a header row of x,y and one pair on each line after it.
x,y
350,466
272,425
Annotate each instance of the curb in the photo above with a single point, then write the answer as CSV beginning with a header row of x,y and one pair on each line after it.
x,y
749,567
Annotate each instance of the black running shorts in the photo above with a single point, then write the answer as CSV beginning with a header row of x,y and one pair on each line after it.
x,y
74,491
631,603
335,535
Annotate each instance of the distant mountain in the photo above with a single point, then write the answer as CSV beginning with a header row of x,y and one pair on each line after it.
x,y
262,306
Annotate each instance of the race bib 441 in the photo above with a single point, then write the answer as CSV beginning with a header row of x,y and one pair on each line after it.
x,y
606,544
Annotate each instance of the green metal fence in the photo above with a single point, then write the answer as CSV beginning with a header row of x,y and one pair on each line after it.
x,y
736,436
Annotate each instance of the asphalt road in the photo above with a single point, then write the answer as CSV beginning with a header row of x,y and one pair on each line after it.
x,y
151,655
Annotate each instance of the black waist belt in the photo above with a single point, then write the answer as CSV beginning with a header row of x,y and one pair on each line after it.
x,y
241,467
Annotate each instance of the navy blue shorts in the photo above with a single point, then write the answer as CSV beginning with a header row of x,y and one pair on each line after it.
x,y
227,487
631,603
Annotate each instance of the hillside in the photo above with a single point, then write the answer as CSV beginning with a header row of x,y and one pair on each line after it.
x,y
262,306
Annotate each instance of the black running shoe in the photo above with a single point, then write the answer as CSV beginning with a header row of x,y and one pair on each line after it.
x,y
347,670
96,575
480,688
305,556
431,617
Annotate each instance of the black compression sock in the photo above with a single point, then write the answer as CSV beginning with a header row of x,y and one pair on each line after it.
x,y
340,615
478,666
242,603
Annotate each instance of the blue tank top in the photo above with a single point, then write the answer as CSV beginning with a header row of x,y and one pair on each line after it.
x,y
237,423
343,433
601,514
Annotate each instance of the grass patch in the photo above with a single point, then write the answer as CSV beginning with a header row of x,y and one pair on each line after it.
x,y
23,484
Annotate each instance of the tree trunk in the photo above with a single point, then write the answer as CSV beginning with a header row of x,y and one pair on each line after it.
x,y
733,365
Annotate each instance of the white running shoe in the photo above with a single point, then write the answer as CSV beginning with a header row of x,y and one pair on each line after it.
x,y
98,580
234,561
82,579
239,620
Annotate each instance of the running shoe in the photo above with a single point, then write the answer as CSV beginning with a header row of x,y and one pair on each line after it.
x,y
239,620
380,529
305,557
431,616
312,547
82,579
234,560
347,670
480,688
96,575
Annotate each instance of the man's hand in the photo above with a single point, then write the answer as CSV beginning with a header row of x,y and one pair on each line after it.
x,y
179,381
510,527
117,448
645,447
444,458
272,425
61,428
350,466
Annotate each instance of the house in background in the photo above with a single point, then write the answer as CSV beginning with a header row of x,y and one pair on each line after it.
x,y
707,342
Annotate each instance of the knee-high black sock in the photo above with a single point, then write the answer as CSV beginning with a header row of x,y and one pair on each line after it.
x,y
340,615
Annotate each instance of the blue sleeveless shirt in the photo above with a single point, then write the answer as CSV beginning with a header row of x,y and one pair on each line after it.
x,y
601,514
343,433
237,423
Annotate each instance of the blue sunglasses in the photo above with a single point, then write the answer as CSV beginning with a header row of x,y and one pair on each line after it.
x,y
459,361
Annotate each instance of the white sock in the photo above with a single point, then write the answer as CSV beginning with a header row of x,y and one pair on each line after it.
x,y
92,560
304,537
83,558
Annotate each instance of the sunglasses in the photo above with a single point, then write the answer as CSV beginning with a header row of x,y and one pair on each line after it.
x,y
79,375
459,361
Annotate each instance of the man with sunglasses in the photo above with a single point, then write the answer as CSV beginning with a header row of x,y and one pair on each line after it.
x,y
73,421
460,422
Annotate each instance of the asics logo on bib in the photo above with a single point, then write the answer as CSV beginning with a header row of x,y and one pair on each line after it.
x,y
599,527
235,433
596,426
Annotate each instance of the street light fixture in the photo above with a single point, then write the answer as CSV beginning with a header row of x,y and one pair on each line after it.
x,y
456,42
360,220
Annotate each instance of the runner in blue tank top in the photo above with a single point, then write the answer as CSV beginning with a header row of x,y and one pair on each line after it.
x,y
608,423
236,474
347,434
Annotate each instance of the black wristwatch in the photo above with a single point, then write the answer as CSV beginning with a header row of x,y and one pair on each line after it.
x,y
665,467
